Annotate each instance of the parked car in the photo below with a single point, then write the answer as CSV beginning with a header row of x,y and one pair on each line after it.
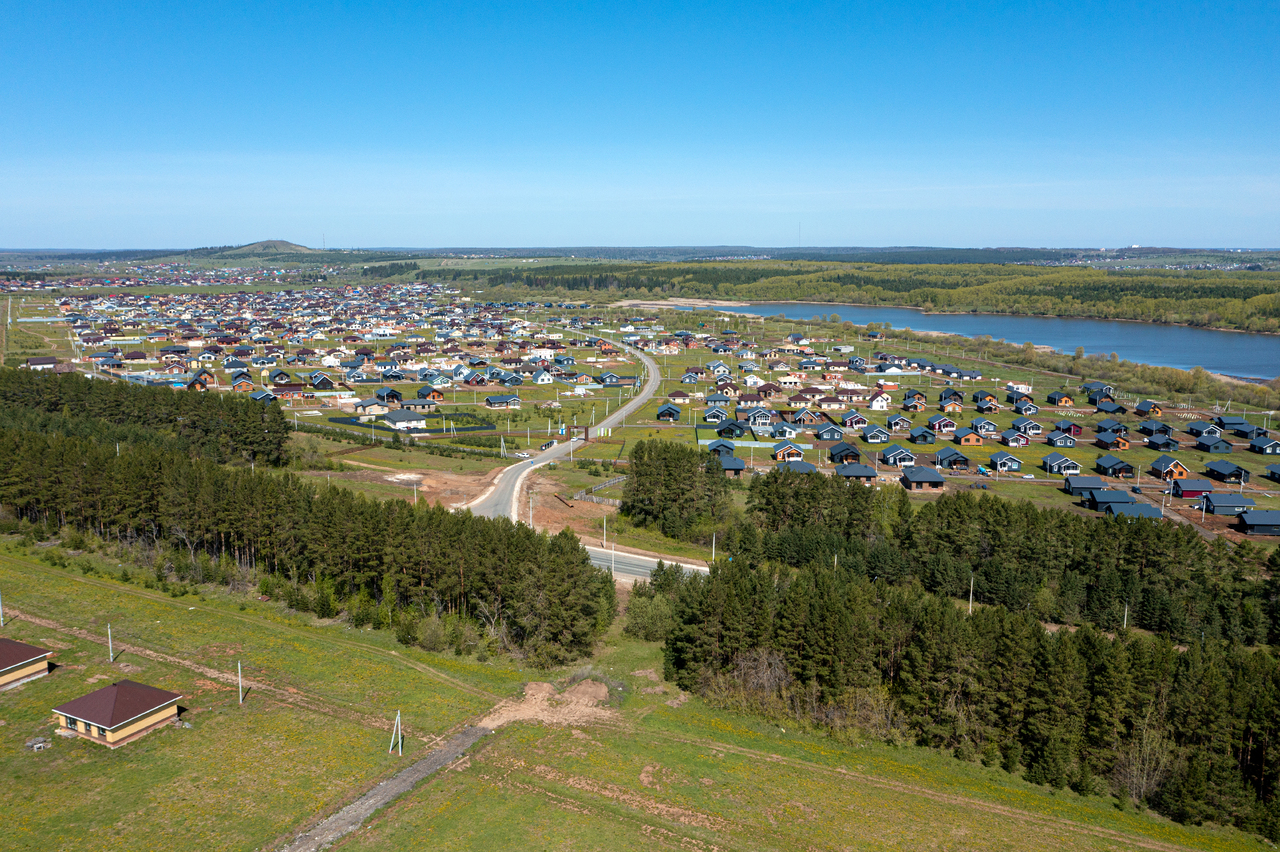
x,y
1135,489
1028,476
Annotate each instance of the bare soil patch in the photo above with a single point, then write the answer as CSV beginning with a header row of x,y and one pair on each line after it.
x,y
435,486
577,705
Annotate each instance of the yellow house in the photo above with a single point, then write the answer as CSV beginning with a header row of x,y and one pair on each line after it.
x,y
119,713
20,663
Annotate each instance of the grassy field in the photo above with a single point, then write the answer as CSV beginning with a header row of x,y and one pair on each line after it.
x,y
667,771
312,732
693,777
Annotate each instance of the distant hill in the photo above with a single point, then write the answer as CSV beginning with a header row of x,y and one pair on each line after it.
x,y
264,247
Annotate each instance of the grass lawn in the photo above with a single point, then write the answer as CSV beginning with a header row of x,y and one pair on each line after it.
x,y
238,777
288,650
694,777
313,733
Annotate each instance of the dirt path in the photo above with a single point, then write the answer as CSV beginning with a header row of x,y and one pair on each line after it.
x,y
353,815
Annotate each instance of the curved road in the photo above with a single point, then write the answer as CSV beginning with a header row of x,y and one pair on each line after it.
x,y
500,499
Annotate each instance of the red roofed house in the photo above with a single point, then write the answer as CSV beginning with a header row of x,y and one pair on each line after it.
x,y
20,663
119,713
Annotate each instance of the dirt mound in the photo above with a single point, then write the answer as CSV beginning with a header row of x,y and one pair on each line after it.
x,y
577,705
587,690
651,674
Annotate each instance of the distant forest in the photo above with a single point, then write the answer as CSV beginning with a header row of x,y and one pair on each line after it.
x,y
1241,300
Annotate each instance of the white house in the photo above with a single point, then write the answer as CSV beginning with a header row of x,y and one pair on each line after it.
x,y
879,401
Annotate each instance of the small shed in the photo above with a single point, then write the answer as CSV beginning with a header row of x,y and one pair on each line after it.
x,y
119,713
1261,522
20,663
844,452
1060,439
1134,510
1109,465
1167,467
1101,499
1226,471
1227,504
922,479
787,451
1005,462
1080,486
864,473
1191,488
922,435
951,459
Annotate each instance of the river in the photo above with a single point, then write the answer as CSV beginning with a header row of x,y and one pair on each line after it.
x,y
1228,352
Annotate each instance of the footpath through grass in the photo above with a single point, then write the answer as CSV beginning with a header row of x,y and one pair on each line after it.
x,y
312,733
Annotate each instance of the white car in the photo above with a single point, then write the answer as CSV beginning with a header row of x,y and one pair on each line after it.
x,y
1028,476
522,455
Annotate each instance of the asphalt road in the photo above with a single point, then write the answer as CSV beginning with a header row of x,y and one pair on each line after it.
x,y
500,500
629,565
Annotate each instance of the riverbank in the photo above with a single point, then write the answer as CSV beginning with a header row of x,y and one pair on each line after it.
x,y
678,303
717,304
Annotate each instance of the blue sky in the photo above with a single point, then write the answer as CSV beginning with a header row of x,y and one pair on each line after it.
x,y
488,124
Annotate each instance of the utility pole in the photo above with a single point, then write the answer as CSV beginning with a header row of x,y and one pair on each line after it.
x,y
240,681
396,736
1,612
970,593
111,648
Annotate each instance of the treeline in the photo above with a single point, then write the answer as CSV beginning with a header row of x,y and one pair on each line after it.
x,y
389,270
1191,732
218,427
539,595
1149,380
842,606
1060,566
680,490
1243,300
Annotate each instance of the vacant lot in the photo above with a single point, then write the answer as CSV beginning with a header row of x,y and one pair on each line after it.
x,y
673,773
650,768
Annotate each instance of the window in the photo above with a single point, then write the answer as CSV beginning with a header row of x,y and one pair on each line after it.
x,y
73,724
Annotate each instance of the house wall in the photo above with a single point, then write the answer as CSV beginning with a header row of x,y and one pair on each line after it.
x,y
161,715
112,737
34,670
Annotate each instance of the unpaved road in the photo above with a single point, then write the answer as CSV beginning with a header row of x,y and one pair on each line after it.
x,y
353,815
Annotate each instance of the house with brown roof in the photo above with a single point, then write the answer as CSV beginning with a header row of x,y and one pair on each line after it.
x,y
119,713
20,663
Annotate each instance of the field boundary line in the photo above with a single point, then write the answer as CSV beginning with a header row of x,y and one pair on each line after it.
x,y
337,640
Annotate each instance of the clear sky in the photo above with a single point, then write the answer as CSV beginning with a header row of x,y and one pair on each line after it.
x,y
178,124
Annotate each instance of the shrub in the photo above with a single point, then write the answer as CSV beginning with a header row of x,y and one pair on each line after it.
x,y
649,618
432,634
